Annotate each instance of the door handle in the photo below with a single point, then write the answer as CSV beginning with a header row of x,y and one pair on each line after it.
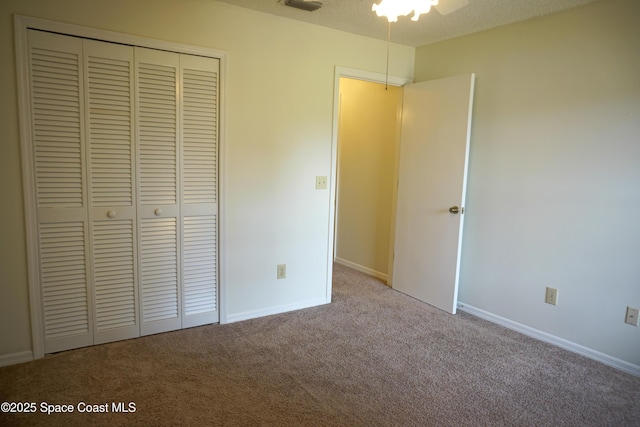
x,y
455,210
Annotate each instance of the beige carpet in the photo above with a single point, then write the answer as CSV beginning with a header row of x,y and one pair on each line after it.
x,y
373,357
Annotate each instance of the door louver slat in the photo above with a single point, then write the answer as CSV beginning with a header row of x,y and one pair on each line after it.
x,y
55,86
199,263
157,134
199,136
114,274
159,269
109,82
64,292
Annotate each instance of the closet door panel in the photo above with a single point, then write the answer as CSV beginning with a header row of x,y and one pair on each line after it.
x,y
124,152
158,206
57,116
199,119
111,166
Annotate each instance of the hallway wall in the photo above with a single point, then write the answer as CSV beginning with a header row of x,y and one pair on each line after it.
x,y
367,142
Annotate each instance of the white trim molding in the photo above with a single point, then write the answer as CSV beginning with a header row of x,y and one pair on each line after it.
x,y
362,269
370,76
254,314
15,358
605,359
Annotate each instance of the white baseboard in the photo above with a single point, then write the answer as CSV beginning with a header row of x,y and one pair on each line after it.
x,y
246,315
627,367
362,269
15,358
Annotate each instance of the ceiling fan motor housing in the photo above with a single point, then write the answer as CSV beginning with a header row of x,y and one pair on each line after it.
x,y
304,4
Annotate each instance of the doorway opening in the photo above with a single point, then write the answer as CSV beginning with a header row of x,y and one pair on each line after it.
x,y
368,134
428,185
374,256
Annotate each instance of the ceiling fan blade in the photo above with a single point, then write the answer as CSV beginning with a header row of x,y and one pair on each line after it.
x,y
445,7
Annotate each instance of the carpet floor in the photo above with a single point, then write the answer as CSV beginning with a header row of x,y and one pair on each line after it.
x,y
373,357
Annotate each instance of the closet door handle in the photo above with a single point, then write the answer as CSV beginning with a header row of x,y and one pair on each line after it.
x,y
112,214
158,212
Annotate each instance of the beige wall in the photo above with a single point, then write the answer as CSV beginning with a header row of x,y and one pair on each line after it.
x,y
367,146
554,178
554,168
279,130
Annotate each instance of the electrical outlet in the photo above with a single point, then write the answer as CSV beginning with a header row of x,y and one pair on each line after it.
x,y
551,297
282,271
321,182
632,316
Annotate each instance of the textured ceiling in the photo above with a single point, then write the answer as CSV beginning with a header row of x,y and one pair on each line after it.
x,y
355,16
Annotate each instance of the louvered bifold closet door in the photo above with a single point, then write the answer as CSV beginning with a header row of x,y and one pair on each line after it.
x,y
111,173
199,90
57,115
158,178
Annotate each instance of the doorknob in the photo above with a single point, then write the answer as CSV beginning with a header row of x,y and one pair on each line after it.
x,y
454,210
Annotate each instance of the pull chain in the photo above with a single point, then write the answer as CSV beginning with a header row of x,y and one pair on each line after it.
x,y
386,79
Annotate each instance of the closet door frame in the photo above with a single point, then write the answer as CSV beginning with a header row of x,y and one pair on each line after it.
x,y
21,26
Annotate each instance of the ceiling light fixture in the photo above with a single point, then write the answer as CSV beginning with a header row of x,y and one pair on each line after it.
x,y
391,9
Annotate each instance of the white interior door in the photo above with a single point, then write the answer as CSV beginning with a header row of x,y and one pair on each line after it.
x,y
434,152
111,185
158,206
57,129
199,195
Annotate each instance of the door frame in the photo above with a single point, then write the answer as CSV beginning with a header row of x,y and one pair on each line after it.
x,y
370,76
21,26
